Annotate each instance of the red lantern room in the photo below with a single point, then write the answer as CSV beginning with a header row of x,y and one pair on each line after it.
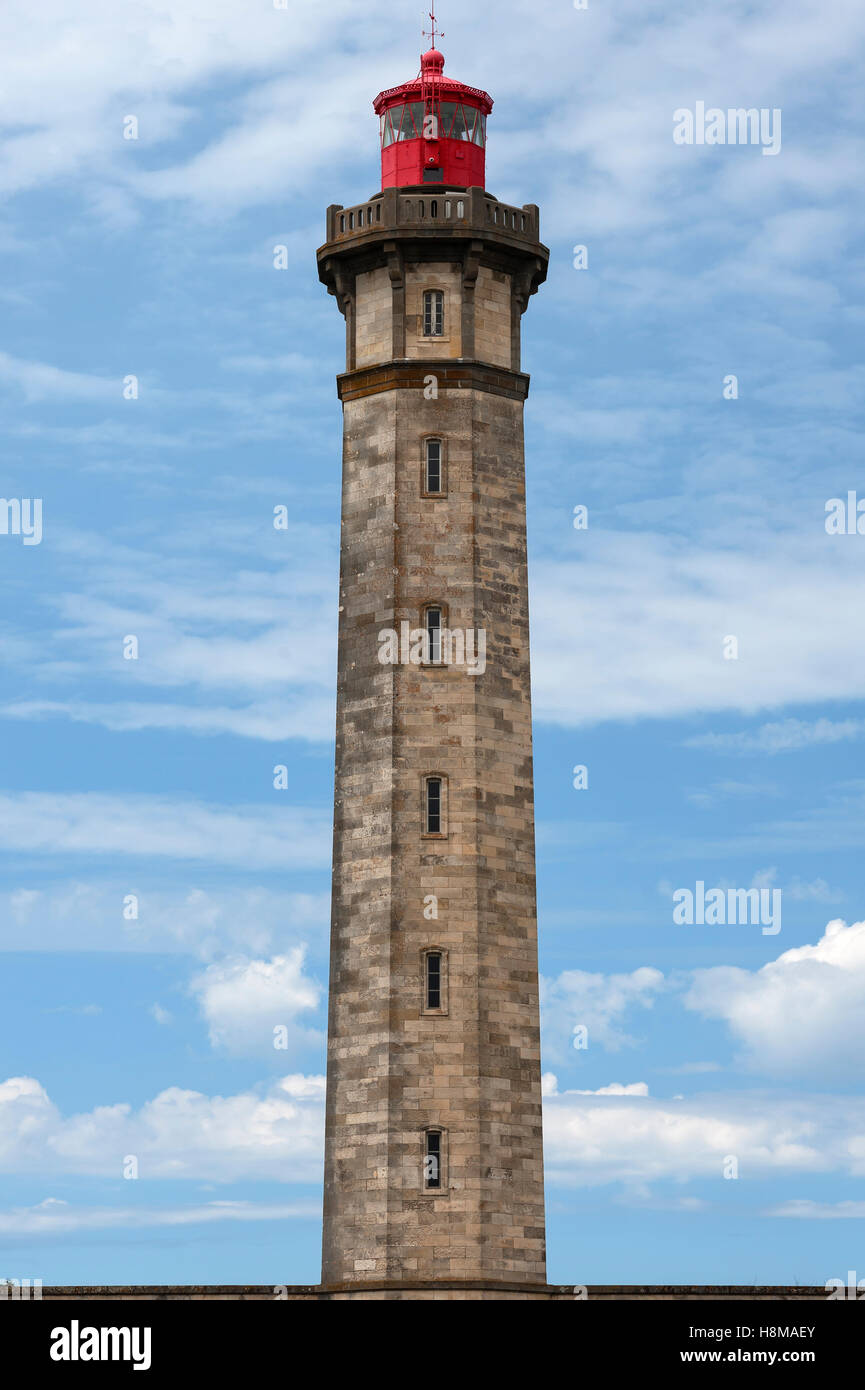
x,y
433,130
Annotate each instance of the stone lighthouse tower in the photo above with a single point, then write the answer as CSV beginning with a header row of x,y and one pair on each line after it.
x,y
434,1163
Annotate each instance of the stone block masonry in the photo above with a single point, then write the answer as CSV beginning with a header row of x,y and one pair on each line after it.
x,y
469,1072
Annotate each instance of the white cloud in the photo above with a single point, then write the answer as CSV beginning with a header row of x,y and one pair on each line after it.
x,y
297,716
591,1140
243,1001
596,1002
57,1217
205,924
634,627
243,634
97,824
817,891
784,736
550,1087
275,1134
39,381
805,1209
694,1068
799,1015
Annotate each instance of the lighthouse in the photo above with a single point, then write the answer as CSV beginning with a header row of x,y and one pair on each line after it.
x,y
433,1138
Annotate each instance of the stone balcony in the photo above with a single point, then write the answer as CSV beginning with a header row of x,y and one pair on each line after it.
x,y
428,210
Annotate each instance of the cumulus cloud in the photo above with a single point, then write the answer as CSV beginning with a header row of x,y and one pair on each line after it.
x,y
577,998
274,1133
615,1135
798,1015
245,1001
595,1139
550,1087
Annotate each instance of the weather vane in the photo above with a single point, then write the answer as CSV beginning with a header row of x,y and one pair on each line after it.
x,y
433,34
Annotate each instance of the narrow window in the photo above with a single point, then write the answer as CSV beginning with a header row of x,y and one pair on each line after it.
x,y
342,223
461,208
447,208
350,220
433,466
433,805
378,212
433,313
360,217
432,1168
434,208
420,207
434,633
433,980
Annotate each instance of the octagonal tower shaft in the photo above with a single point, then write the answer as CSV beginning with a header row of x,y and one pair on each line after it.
x,y
433,291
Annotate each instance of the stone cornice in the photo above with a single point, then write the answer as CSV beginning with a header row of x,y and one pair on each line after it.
x,y
449,375
489,231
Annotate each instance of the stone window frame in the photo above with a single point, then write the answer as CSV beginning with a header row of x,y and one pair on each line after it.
x,y
443,466
442,1189
442,1009
434,834
445,335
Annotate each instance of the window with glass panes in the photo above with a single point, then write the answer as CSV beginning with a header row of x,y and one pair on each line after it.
x,y
455,121
433,313
433,1159
434,632
434,980
433,466
433,814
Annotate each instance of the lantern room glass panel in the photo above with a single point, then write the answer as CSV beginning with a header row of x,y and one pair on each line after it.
x,y
446,119
459,131
390,116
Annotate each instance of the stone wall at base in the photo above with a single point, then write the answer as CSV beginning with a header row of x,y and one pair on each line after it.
x,y
444,1291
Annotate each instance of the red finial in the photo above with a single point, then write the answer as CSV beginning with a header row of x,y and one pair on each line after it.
x,y
434,33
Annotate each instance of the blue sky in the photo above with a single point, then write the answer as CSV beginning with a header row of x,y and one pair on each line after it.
x,y
152,1036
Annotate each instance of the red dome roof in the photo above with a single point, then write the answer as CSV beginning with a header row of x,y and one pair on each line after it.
x,y
447,89
432,60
